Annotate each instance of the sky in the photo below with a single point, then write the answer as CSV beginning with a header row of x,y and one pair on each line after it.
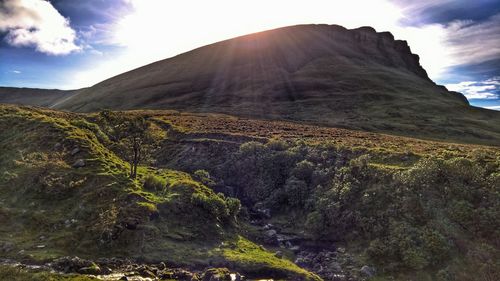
x,y
69,44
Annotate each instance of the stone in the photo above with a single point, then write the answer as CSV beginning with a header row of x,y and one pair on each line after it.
x,y
341,250
162,266
367,271
278,254
261,210
94,269
106,270
303,261
57,146
71,264
79,163
75,151
268,226
335,266
237,277
271,233
216,274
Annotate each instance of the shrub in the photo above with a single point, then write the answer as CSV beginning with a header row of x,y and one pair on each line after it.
x,y
303,171
234,206
296,191
204,177
436,245
213,204
154,183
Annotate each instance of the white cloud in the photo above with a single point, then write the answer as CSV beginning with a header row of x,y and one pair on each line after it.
x,y
493,107
16,71
471,42
38,24
477,89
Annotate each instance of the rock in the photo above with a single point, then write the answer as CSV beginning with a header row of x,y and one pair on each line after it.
x,y
261,210
147,273
75,151
72,264
94,269
79,163
181,274
341,250
57,146
216,274
368,271
278,254
303,261
271,233
335,266
268,226
237,277
106,270
162,266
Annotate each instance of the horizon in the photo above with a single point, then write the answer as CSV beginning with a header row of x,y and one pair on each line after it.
x,y
65,45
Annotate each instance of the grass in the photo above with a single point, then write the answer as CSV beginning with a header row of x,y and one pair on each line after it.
x,y
255,260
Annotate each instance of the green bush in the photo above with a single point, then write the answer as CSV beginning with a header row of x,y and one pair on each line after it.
x,y
154,183
234,206
213,204
204,177
296,192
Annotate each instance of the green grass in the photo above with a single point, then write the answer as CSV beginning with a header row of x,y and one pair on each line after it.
x,y
253,259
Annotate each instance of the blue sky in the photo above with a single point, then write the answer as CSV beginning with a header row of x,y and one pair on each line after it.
x,y
71,44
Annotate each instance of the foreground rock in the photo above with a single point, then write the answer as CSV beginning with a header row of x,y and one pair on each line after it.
x,y
125,270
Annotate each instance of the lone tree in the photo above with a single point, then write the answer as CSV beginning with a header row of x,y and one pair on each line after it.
x,y
137,139
132,137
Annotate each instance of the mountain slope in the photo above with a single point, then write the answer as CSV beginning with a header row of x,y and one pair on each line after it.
x,y
323,74
36,97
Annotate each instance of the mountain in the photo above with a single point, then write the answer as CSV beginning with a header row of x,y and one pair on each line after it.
x,y
321,74
316,74
36,97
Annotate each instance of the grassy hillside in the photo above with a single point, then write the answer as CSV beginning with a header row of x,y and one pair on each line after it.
x,y
315,201
51,206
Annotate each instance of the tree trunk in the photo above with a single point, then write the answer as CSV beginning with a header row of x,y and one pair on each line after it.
x,y
135,161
